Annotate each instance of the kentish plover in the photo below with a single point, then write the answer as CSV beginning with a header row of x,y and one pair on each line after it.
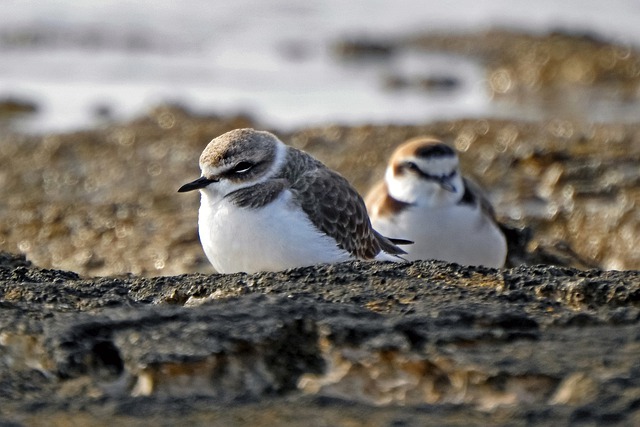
x,y
266,206
425,198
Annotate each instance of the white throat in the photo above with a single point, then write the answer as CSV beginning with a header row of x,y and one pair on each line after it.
x,y
411,188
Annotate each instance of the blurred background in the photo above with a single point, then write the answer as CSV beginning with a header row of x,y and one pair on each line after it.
x,y
105,107
283,61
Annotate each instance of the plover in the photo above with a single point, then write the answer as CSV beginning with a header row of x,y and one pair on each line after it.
x,y
266,206
424,198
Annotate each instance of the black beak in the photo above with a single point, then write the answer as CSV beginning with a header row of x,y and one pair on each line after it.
x,y
446,185
196,185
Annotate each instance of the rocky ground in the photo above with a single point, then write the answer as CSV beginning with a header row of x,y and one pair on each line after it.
x,y
425,343
370,344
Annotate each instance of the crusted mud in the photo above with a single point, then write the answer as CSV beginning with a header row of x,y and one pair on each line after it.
x,y
423,343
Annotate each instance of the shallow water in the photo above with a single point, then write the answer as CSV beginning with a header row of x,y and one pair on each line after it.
x,y
84,63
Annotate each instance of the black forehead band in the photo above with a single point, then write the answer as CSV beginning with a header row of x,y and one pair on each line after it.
x,y
436,150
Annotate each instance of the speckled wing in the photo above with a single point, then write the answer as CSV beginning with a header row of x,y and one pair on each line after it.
x,y
258,195
334,207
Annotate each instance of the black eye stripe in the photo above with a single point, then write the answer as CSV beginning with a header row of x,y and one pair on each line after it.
x,y
413,167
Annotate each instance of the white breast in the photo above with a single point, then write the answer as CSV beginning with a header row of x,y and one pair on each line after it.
x,y
275,237
457,233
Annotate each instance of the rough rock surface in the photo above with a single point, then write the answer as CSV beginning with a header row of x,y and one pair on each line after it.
x,y
380,344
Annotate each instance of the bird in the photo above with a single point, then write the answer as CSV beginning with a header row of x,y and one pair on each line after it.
x,y
425,198
267,206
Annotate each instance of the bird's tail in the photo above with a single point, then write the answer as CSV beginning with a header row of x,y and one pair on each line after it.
x,y
390,247
400,242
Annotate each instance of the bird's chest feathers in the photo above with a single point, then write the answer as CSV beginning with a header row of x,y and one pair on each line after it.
x,y
272,237
230,228
443,220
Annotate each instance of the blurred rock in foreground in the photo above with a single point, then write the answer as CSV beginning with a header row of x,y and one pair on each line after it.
x,y
354,344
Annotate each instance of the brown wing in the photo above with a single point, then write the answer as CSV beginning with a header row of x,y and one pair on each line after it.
x,y
337,209
258,195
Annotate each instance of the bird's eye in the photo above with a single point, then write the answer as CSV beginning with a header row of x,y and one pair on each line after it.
x,y
412,166
242,167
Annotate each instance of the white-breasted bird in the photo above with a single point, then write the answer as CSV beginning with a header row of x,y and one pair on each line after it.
x,y
266,206
424,198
